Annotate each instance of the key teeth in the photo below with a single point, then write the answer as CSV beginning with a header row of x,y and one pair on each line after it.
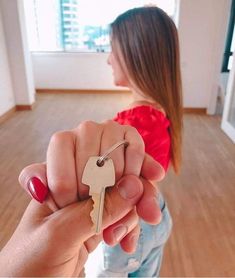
x,y
92,214
93,219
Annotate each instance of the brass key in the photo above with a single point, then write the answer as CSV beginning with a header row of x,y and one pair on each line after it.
x,y
98,178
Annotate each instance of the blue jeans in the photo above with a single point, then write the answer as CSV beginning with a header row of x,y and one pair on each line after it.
x,y
146,261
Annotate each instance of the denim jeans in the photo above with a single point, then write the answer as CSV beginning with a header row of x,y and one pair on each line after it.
x,y
146,261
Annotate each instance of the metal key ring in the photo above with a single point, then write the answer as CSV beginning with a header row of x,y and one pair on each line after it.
x,y
101,160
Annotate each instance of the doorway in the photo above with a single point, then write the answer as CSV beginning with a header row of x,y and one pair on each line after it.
x,y
228,119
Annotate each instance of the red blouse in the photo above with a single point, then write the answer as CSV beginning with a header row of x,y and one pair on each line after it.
x,y
153,127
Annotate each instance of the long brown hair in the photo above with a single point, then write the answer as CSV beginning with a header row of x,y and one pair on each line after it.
x,y
145,41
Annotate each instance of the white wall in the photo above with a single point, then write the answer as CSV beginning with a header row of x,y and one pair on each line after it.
x,y
19,65
72,71
202,29
6,92
29,95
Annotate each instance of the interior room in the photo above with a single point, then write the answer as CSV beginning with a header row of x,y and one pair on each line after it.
x,y
55,74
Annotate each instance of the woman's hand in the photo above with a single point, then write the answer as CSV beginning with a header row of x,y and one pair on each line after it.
x,y
48,243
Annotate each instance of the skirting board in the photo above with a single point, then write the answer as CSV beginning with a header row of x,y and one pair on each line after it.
x,y
192,110
80,91
7,115
24,107
10,112
195,110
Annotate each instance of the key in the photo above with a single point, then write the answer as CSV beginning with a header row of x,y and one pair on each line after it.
x,y
98,178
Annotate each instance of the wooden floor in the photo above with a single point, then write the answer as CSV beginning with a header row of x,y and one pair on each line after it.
x,y
201,199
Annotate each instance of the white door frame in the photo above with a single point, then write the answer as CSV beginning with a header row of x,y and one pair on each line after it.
x,y
226,126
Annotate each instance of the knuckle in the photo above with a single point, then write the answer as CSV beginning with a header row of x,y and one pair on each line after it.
x,y
86,128
110,122
60,186
60,136
114,126
87,125
133,133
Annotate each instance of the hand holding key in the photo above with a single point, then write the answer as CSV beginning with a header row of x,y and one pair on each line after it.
x,y
56,244
69,229
68,153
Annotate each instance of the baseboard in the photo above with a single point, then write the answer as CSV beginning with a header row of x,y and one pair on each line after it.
x,y
79,91
7,115
24,107
195,110
189,110
11,111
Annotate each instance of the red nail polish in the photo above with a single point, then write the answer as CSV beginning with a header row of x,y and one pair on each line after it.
x,y
37,189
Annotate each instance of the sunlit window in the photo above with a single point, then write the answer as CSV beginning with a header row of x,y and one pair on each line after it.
x,y
230,41
230,60
77,25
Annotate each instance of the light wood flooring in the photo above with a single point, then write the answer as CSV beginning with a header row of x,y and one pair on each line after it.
x,y
201,199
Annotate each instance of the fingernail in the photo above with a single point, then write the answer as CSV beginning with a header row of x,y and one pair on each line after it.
x,y
128,189
37,189
133,241
120,232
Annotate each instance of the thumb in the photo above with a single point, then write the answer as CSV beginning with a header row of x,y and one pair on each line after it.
x,y
75,222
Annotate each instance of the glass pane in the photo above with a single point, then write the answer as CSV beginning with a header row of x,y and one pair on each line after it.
x,y
230,62
77,25
231,116
233,41
43,25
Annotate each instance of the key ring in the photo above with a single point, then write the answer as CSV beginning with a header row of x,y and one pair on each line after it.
x,y
101,160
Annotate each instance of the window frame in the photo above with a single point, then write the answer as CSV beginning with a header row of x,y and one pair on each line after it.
x,y
61,44
231,32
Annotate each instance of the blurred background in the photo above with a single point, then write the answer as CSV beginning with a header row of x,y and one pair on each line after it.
x,y
54,74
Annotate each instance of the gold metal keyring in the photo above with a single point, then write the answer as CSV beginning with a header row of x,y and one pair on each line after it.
x,y
101,160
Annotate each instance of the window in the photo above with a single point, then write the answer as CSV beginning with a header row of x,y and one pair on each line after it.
x,y
77,25
230,42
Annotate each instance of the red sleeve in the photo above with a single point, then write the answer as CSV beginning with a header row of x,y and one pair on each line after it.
x,y
153,127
